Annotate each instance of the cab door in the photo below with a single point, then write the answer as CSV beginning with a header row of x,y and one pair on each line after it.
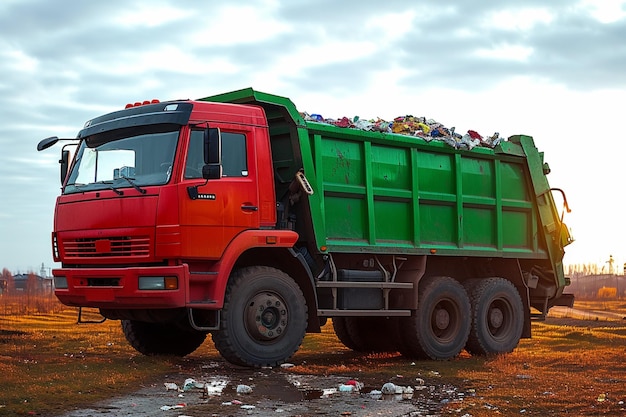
x,y
223,207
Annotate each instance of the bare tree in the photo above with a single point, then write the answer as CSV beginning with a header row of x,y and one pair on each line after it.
x,y
7,280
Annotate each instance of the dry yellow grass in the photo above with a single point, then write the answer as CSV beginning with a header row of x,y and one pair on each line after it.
x,y
49,364
569,367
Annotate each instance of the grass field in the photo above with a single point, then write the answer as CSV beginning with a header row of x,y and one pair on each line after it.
x,y
50,364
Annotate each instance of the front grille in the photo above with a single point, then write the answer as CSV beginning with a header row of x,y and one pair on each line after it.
x,y
124,246
103,282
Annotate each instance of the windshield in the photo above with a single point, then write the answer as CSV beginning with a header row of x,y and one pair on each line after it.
x,y
131,161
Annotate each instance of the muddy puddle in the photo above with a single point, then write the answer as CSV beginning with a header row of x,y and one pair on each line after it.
x,y
277,392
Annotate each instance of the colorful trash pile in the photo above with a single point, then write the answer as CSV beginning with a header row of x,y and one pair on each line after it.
x,y
427,129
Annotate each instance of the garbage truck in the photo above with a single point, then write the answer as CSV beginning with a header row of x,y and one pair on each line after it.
x,y
238,216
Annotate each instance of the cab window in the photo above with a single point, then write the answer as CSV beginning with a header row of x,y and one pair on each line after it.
x,y
234,161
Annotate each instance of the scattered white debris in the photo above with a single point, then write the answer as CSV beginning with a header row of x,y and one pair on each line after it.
x,y
172,407
346,388
402,392
189,383
248,407
216,386
389,388
244,389
326,392
170,386
407,393
287,365
375,394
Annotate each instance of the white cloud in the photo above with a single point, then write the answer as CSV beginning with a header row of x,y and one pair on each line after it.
x,y
149,15
17,60
506,52
605,11
233,25
519,20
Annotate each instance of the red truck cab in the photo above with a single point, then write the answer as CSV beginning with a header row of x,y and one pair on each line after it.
x,y
138,227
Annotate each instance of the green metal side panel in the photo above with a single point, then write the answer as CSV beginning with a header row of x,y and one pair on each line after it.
x,y
376,192
388,191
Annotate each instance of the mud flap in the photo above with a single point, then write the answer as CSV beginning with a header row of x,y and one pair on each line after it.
x,y
565,300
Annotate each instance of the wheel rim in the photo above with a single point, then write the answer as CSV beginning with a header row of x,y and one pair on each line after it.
x,y
267,316
499,320
445,321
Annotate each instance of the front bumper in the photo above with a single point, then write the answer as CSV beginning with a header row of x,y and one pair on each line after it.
x,y
118,288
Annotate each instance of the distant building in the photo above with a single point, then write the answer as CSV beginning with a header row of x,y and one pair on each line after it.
x,y
20,282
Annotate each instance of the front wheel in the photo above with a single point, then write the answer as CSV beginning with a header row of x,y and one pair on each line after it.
x,y
440,326
497,317
264,318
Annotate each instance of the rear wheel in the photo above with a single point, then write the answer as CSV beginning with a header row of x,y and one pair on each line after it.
x,y
264,318
366,334
441,324
341,330
497,317
161,339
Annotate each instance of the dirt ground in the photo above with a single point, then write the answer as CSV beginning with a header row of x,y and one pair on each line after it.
x,y
314,386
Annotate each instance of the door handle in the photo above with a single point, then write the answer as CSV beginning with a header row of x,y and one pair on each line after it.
x,y
245,207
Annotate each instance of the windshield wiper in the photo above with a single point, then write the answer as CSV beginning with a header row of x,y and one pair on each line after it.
x,y
110,187
77,185
135,186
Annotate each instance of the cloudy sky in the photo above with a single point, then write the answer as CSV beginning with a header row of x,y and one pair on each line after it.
x,y
554,70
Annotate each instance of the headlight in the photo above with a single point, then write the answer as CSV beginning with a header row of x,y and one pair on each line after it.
x,y
158,283
60,283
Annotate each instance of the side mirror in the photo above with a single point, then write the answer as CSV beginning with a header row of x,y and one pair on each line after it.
x,y
65,154
65,163
47,142
212,146
212,172
212,168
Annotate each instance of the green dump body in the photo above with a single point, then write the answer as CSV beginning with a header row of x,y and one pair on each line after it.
x,y
390,193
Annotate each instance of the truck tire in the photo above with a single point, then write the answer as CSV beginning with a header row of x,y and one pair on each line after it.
x,y
264,318
161,339
365,334
341,330
371,334
441,324
497,317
